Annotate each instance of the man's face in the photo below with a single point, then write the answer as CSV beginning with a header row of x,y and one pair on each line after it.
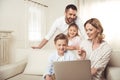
x,y
70,15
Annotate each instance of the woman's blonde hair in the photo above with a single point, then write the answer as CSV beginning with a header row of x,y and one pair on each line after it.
x,y
96,23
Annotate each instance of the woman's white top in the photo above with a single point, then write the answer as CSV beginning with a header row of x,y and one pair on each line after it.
x,y
99,57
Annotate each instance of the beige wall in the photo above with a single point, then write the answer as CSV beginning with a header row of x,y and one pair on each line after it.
x,y
12,17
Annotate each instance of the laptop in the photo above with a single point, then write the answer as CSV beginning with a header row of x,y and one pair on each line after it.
x,y
72,70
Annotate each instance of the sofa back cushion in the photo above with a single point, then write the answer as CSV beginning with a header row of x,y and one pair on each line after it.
x,y
115,59
37,62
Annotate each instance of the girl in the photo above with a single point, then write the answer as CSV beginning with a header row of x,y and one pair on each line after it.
x,y
73,37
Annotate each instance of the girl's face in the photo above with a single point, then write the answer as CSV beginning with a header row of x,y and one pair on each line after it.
x,y
91,31
72,31
61,45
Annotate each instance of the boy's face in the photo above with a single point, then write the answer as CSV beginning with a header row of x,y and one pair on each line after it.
x,y
61,45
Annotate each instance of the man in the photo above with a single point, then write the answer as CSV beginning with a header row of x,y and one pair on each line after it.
x,y
62,24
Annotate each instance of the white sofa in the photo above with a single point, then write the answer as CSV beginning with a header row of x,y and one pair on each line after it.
x,y
31,68
22,70
113,68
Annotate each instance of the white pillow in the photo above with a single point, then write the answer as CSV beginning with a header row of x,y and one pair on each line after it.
x,y
37,63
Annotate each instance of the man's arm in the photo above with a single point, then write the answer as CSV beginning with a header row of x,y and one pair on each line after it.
x,y
42,43
49,35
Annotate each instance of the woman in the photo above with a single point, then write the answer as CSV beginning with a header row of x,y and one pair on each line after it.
x,y
95,48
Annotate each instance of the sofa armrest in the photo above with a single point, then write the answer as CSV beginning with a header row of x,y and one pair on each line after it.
x,y
113,73
11,70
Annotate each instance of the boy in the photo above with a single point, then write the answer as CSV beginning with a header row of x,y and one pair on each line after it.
x,y
61,42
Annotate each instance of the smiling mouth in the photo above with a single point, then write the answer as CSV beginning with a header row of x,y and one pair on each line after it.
x,y
89,35
70,19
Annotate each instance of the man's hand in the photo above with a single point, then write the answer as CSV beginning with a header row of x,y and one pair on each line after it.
x,y
35,47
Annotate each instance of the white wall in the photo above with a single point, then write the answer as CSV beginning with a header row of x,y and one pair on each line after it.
x,y
12,17
107,11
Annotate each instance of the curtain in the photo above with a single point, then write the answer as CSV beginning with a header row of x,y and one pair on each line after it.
x,y
35,22
89,8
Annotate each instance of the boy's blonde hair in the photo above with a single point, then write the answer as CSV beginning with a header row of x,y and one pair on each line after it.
x,y
61,36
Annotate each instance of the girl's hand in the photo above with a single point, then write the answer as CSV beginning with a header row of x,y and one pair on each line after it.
x,y
82,53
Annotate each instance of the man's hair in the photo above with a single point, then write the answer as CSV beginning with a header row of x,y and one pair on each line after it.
x,y
61,36
70,6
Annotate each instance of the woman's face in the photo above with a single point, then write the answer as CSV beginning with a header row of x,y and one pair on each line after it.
x,y
72,31
91,31
61,45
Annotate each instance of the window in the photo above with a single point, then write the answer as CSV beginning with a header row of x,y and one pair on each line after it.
x,y
35,22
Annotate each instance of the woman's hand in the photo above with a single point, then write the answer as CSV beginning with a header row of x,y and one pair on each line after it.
x,y
82,53
93,71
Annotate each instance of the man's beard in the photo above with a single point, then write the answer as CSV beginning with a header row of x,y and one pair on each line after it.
x,y
69,20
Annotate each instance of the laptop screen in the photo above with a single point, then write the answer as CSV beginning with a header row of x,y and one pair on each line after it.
x,y
73,70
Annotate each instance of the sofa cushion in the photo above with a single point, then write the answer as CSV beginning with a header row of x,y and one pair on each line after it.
x,y
26,77
37,62
113,73
9,70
